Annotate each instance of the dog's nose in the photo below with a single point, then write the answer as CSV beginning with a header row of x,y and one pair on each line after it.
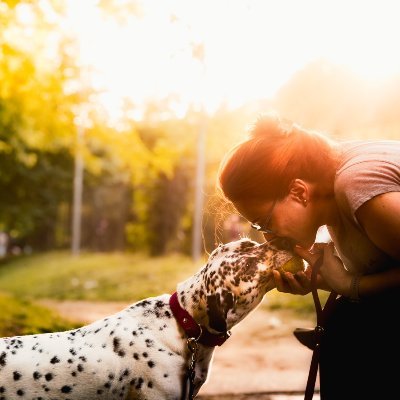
x,y
283,243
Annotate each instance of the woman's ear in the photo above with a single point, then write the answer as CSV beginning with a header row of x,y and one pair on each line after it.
x,y
299,191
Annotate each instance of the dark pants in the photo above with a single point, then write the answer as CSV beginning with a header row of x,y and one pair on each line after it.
x,y
360,350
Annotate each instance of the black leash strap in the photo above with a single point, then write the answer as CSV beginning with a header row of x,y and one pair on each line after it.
x,y
322,314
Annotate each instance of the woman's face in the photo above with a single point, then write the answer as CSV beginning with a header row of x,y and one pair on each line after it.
x,y
290,217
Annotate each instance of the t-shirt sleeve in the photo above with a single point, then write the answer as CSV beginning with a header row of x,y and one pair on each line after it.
x,y
360,182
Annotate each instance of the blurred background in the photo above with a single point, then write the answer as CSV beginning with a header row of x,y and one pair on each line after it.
x,y
115,114
114,118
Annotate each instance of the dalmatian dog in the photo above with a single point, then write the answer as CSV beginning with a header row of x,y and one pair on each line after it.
x,y
142,352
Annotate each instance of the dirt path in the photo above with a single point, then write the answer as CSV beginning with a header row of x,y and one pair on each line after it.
x,y
261,356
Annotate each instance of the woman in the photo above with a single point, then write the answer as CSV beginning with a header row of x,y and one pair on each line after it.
x,y
288,182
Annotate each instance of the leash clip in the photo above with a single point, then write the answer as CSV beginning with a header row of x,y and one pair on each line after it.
x,y
193,347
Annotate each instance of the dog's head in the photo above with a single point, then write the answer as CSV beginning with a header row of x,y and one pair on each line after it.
x,y
233,282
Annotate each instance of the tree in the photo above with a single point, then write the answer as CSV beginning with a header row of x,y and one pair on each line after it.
x,y
36,125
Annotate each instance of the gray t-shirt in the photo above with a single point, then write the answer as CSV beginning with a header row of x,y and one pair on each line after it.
x,y
367,169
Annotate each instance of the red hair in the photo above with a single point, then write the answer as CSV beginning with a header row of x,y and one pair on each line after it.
x,y
276,153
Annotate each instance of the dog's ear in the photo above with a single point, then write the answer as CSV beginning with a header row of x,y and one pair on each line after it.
x,y
218,305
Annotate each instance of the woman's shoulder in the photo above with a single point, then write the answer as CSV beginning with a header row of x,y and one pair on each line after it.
x,y
367,169
373,152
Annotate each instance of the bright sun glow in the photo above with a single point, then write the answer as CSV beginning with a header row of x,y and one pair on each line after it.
x,y
252,47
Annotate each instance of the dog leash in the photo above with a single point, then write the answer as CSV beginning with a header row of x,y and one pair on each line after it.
x,y
195,334
322,315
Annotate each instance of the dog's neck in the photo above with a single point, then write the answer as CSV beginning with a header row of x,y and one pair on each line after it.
x,y
219,305
191,297
232,283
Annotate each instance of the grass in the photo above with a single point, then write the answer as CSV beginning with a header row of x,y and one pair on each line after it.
x,y
93,276
21,317
113,277
96,277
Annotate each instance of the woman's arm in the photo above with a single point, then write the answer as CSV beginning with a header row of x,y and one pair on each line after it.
x,y
380,219
333,276
337,278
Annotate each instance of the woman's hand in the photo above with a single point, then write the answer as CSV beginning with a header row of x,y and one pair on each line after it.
x,y
300,283
332,274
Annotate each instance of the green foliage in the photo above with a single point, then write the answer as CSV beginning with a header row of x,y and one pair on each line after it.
x,y
116,276
21,317
162,202
36,133
167,206
32,196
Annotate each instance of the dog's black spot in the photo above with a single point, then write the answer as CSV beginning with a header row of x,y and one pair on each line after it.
x,y
143,303
116,347
55,360
37,375
125,373
17,375
139,383
3,360
66,389
159,303
48,377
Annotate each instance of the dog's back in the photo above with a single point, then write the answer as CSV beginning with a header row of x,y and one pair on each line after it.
x,y
134,353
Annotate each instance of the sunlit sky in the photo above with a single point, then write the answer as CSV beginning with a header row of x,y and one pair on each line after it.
x,y
252,47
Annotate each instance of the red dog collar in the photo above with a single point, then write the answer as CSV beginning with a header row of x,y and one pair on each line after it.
x,y
192,328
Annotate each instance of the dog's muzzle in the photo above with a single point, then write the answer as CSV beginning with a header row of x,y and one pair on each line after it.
x,y
282,243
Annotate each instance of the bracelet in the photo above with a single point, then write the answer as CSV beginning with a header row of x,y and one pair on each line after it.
x,y
354,288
